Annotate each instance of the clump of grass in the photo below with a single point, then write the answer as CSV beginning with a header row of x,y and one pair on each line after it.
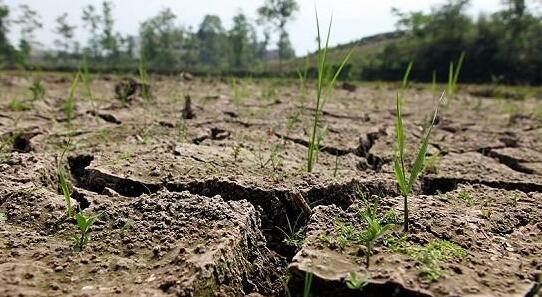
x,y
238,90
431,256
84,223
38,90
453,75
18,105
404,179
293,236
69,104
324,85
464,196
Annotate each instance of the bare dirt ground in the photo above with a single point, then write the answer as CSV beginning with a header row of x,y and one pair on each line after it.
x,y
216,205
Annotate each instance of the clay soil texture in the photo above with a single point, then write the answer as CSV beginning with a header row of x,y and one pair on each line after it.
x,y
213,199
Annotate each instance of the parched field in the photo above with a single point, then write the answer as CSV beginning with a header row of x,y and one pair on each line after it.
x,y
216,201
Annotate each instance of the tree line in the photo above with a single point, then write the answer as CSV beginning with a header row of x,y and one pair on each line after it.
x,y
505,46
160,42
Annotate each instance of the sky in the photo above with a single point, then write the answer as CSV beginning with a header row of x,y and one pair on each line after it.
x,y
352,19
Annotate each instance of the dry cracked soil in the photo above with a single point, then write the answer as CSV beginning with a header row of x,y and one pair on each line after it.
x,y
214,200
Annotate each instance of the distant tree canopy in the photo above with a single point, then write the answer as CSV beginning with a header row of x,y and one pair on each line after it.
x,y
504,46
160,42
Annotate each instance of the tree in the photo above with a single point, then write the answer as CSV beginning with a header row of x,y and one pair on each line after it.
x,y
161,40
242,39
279,13
286,51
213,46
29,22
6,50
91,21
108,40
66,33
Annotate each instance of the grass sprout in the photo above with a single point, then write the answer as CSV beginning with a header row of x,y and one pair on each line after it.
x,y
66,193
324,85
84,223
355,282
144,81
69,104
453,75
374,232
37,89
404,179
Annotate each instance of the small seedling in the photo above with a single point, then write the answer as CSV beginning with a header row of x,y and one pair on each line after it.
x,y
85,78
375,230
303,76
354,282
84,223
144,81
323,85
38,90
404,180
66,193
453,75
69,103
18,105
465,197
294,235
3,217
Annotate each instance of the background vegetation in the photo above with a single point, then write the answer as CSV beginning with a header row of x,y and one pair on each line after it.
x,y
505,46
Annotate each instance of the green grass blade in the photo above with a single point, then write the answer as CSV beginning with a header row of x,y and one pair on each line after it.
x,y
458,70
400,132
406,76
400,176
66,193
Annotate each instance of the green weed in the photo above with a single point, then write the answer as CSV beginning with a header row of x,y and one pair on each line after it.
x,y
453,75
464,196
84,223
144,81
430,256
405,180
293,236
324,84
85,78
66,193
375,230
69,104
38,90
354,282
18,105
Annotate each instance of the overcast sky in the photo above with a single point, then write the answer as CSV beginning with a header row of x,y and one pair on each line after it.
x,y
353,19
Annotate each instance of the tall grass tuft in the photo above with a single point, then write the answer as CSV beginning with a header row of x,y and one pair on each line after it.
x,y
324,86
